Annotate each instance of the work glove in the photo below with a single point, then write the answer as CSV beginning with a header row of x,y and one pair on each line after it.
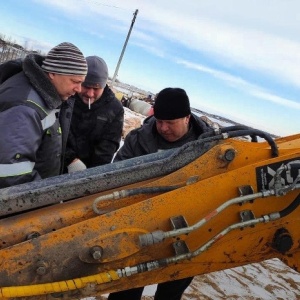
x,y
76,165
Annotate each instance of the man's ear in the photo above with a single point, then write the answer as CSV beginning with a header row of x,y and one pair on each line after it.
x,y
51,75
188,118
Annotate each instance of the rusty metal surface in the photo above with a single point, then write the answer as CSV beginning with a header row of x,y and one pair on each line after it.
x,y
94,180
73,242
66,253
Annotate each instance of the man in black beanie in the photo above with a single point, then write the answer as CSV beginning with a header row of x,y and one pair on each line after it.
x,y
34,112
172,126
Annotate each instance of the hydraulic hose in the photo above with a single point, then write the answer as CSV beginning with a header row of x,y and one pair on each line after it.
x,y
56,287
240,127
239,133
259,133
240,130
224,129
286,211
132,192
73,284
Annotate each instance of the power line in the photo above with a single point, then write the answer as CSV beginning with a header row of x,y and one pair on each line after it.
x,y
107,5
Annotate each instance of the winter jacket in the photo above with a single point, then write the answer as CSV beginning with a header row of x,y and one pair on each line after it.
x,y
31,140
95,133
146,139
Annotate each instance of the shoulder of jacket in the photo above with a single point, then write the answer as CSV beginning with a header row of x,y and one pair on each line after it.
x,y
10,68
29,97
145,129
29,113
112,104
199,120
111,97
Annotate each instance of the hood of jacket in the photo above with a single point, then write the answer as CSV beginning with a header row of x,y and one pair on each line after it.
x,y
31,67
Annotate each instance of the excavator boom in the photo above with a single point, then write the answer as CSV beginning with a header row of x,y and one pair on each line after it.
x,y
213,204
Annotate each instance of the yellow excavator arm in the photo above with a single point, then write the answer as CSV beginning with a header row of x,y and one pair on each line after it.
x,y
213,204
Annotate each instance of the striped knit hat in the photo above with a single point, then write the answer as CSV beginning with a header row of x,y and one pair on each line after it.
x,y
65,59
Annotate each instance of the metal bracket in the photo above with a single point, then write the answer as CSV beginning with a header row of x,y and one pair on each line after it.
x,y
245,190
247,215
178,222
180,247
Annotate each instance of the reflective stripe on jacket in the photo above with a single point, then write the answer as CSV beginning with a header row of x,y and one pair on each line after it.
x,y
30,135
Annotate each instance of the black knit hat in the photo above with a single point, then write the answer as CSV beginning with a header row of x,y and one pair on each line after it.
x,y
171,103
65,59
97,74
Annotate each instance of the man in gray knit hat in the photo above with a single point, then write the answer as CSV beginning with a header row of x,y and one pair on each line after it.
x,y
34,113
97,121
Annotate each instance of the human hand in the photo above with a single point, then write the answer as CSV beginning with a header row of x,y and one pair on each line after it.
x,y
76,165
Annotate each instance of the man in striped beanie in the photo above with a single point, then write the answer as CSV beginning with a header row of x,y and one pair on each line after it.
x,y
34,113
66,68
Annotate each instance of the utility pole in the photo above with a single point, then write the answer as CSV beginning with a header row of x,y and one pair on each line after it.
x,y
124,47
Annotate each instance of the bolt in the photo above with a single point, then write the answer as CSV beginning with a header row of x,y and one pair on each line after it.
x,y
33,235
41,270
97,255
229,155
96,252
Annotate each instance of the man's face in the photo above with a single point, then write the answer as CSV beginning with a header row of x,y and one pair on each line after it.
x,y
173,130
91,94
66,85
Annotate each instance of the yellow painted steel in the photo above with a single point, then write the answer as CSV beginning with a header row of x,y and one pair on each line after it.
x,y
52,218
68,233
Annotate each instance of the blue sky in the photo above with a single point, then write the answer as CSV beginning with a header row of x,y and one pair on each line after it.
x,y
238,59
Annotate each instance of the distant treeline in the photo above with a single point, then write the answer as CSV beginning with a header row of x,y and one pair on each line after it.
x,y
223,119
11,50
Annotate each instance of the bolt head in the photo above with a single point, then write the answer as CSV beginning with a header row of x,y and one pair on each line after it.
x,y
41,270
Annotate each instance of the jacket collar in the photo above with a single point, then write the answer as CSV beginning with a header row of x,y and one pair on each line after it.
x,y
40,81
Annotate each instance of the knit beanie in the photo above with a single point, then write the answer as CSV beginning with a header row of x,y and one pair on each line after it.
x,y
171,103
97,74
65,59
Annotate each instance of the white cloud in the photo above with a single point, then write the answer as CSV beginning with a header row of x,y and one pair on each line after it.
x,y
240,83
150,48
239,45
233,33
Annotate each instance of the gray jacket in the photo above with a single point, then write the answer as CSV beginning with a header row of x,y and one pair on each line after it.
x,y
145,140
32,143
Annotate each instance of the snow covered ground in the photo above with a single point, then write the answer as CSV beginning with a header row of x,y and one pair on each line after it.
x,y
267,280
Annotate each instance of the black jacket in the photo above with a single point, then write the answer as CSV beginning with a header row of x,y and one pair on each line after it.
x,y
95,133
145,140
31,132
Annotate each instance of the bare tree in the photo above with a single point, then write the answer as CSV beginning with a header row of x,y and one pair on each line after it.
x,y
9,49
